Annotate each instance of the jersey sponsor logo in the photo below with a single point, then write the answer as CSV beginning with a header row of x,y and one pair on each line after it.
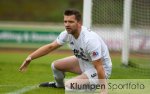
x,y
80,54
95,53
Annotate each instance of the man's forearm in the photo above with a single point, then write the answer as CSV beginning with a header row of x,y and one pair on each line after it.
x,y
101,75
43,51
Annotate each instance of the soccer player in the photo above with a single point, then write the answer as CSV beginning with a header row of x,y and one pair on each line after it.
x,y
91,58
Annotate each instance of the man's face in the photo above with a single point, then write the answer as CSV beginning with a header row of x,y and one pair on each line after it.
x,y
71,24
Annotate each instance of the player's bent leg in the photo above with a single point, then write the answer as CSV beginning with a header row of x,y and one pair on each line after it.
x,y
68,64
58,76
89,77
72,84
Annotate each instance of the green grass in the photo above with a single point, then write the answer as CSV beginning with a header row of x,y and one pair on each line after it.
x,y
39,71
26,45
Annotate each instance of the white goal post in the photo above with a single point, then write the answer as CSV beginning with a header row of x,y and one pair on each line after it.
x,y
87,11
126,30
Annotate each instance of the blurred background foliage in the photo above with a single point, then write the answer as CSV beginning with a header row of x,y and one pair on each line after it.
x,y
110,11
36,10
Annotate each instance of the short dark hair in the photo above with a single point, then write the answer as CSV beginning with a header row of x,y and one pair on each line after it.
x,y
69,12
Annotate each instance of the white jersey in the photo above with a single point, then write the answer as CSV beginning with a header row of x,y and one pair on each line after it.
x,y
87,48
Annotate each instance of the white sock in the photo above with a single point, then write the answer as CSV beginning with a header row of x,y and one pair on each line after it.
x,y
58,75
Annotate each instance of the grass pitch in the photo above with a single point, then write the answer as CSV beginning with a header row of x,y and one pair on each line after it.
x,y
14,82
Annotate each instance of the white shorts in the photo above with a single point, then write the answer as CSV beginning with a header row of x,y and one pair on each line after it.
x,y
93,77
88,69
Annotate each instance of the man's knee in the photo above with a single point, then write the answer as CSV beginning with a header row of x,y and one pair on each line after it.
x,y
57,73
54,64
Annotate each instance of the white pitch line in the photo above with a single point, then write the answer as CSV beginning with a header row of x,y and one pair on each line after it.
x,y
8,85
23,90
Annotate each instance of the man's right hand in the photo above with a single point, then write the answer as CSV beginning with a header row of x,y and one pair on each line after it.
x,y
24,65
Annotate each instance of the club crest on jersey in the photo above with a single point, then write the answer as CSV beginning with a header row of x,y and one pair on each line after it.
x,y
95,53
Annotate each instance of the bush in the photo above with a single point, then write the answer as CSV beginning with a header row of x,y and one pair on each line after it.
x,y
36,10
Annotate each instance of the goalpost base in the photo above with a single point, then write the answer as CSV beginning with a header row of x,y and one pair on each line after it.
x,y
130,64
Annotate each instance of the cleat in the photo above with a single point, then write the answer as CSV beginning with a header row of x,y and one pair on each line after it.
x,y
48,84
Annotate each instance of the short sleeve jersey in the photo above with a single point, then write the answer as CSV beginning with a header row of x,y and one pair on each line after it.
x,y
87,47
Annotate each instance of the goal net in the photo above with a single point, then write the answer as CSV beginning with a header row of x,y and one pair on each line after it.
x,y
140,35
107,19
